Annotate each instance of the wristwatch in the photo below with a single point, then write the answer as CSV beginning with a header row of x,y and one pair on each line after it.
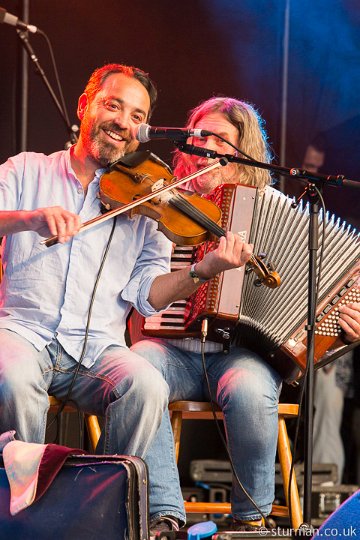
x,y
195,277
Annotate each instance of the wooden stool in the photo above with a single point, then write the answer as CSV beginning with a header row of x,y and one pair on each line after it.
x,y
196,410
91,421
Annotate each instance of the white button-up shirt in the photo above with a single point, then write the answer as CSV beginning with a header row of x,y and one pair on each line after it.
x,y
46,292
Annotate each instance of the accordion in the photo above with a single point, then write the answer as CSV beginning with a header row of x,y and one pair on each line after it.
x,y
239,308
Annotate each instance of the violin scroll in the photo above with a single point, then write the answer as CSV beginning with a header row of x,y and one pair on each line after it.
x,y
266,275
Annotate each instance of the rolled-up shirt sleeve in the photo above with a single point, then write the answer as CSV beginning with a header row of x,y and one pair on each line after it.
x,y
153,261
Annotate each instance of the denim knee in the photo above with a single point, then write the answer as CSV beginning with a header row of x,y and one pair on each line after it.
x,y
152,350
147,384
247,381
15,380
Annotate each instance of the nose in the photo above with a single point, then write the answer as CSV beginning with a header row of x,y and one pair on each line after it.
x,y
122,118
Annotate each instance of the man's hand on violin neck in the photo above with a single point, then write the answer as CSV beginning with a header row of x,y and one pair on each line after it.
x,y
231,252
53,221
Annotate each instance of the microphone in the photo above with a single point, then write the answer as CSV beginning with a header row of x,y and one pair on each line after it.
x,y
197,150
145,133
7,18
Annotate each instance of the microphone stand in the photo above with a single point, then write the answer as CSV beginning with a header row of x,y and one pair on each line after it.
x,y
71,129
313,246
300,174
312,179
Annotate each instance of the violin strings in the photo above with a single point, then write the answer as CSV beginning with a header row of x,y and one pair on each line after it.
x,y
197,215
182,204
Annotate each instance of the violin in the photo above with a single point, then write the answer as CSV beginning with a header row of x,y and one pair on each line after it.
x,y
141,183
182,217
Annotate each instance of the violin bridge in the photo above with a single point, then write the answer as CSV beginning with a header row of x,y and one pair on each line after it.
x,y
159,184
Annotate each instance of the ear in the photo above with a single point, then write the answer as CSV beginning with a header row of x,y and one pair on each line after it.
x,y
82,106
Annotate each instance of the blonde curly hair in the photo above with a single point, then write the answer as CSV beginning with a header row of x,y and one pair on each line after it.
x,y
252,138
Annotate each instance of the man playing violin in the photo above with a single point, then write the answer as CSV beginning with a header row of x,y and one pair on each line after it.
x,y
63,309
245,386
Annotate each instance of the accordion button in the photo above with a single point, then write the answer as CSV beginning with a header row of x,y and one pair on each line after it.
x,y
342,291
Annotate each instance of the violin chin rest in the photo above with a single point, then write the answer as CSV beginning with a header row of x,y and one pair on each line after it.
x,y
134,159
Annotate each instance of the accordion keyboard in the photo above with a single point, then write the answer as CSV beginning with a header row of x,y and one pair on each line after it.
x,y
171,322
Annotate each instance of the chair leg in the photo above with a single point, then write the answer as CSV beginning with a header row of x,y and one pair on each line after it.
x,y
285,457
93,429
176,424
284,452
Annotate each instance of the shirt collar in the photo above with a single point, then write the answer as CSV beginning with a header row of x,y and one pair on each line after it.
x,y
98,173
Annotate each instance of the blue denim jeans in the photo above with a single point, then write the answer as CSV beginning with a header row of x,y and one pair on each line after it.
x,y
122,387
247,390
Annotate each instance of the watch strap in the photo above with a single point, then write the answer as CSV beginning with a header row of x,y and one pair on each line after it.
x,y
195,277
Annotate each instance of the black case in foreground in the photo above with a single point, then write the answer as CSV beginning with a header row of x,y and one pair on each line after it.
x,y
91,498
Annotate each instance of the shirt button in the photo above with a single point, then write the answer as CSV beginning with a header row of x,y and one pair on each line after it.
x,y
80,191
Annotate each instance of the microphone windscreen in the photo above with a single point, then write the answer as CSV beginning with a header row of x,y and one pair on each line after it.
x,y
142,133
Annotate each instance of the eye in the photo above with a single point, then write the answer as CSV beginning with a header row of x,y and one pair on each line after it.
x,y
219,142
138,118
201,140
111,105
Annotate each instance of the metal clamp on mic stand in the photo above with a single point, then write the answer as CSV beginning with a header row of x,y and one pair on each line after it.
x,y
314,194
71,129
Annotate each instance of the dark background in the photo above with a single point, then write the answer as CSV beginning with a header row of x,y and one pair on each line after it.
x,y
195,49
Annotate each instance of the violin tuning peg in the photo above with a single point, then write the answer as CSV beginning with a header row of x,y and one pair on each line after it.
x,y
262,255
258,282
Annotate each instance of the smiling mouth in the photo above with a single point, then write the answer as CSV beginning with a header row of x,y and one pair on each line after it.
x,y
113,135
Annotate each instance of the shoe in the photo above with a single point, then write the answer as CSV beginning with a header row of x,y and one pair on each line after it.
x,y
242,525
163,524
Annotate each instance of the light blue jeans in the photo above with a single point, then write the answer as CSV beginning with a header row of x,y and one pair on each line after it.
x,y
247,390
124,388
